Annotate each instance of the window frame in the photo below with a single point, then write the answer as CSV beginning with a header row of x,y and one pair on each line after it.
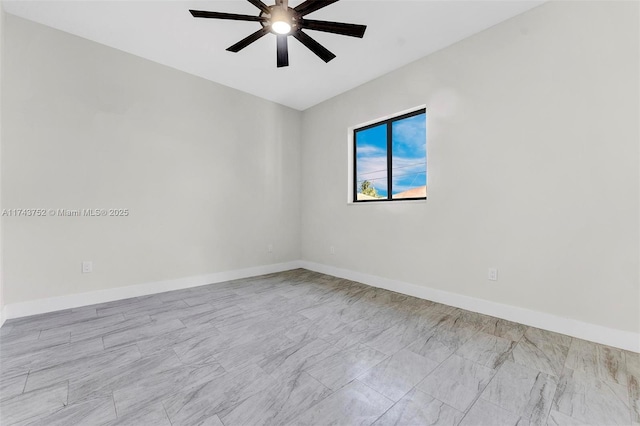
x,y
389,124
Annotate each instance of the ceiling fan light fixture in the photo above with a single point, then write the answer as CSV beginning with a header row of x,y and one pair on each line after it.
x,y
283,21
281,27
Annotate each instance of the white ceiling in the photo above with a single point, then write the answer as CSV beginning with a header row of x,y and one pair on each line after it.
x,y
398,33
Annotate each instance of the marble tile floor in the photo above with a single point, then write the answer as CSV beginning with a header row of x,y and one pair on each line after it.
x,y
303,348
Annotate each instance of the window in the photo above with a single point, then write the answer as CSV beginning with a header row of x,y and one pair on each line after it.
x,y
390,159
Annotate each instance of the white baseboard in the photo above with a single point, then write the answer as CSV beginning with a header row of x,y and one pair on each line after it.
x,y
41,306
595,333
592,332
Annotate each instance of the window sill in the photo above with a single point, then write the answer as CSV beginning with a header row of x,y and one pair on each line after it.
x,y
385,203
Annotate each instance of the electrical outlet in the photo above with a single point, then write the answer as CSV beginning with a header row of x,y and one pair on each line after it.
x,y
270,248
87,267
493,274
332,250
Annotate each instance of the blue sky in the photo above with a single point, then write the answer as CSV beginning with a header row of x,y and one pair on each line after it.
x,y
409,155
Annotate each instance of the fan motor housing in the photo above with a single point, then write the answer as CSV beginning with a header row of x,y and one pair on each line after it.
x,y
279,13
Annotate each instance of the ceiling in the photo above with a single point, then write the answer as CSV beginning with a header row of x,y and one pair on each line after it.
x,y
398,33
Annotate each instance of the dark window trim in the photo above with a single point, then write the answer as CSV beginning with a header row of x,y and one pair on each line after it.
x,y
389,123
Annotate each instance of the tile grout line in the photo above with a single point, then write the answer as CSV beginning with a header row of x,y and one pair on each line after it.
x,y
166,414
25,382
392,405
113,399
631,377
488,383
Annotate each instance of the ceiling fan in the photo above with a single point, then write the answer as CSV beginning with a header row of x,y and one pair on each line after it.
x,y
284,21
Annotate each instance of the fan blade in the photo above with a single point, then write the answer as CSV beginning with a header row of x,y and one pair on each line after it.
x,y
310,6
351,30
247,41
257,3
283,51
314,46
231,16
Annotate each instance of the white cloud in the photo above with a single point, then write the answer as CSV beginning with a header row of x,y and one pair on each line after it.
x,y
408,173
410,137
374,169
370,151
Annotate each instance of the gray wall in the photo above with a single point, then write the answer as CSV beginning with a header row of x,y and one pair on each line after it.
x,y
532,163
211,175
1,205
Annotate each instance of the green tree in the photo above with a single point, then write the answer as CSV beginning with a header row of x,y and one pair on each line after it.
x,y
367,189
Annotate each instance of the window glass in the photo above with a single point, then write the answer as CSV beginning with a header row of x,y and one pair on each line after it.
x,y
390,159
371,163
409,157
